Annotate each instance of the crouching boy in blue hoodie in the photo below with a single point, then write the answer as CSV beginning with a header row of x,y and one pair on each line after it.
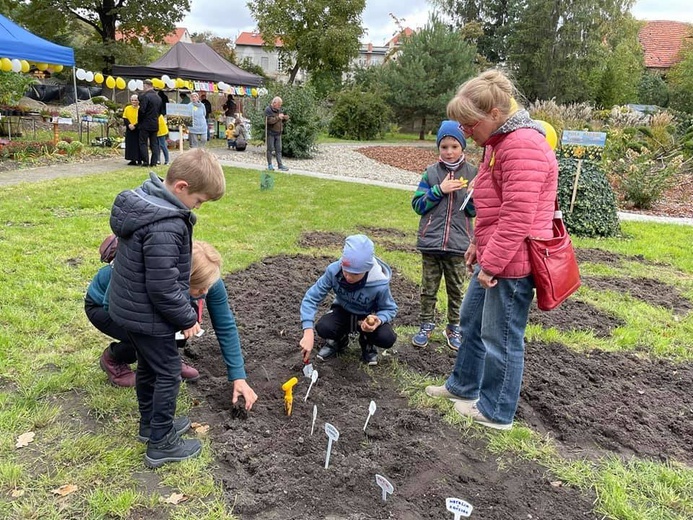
x,y
363,303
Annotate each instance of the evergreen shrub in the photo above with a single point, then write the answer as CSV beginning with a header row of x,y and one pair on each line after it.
x,y
594,212
359,115
301,130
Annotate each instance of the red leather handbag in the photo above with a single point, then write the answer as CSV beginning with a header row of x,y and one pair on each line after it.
x,y
554,266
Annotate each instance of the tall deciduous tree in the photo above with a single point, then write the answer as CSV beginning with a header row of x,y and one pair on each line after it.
x,y
150,20
316,35
680,80
222,46
432,64
555,47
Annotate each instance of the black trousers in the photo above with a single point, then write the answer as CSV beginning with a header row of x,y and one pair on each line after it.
x,y
157,382
337,323
123,351
149,137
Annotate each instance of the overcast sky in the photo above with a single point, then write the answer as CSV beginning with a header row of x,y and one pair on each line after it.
x,y
227,18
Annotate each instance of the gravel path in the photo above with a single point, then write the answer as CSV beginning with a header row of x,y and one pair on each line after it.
x,y
340,160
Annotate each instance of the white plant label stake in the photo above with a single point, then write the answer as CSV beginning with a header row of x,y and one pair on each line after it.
x,y
315,416
313,379
458,507
385,485
371,411
333,435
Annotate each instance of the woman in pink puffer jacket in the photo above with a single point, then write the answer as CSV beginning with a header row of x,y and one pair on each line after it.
x,y
514,194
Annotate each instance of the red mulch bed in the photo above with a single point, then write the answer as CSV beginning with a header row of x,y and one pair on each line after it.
x,y
677,202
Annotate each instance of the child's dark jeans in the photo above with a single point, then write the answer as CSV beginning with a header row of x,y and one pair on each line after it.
x,y
123,351
338,322
158,381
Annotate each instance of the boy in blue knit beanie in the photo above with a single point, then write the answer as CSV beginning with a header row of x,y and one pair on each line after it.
x,y
363,303
445,231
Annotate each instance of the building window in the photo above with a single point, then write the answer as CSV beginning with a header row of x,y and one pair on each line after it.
x,y
264,63
280,64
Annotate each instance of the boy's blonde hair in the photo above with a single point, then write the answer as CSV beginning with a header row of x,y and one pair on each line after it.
x,y
206,265
478,96
201,170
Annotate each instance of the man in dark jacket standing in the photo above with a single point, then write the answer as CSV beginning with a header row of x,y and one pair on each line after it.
x,y
148,123
274,126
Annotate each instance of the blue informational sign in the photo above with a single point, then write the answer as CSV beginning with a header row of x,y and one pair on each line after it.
x,y
575,137
179,109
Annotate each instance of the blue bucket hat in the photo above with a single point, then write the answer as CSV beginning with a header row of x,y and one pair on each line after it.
x,y
358,256
451,129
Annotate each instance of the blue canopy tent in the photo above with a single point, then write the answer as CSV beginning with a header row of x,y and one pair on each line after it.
x,y
17,42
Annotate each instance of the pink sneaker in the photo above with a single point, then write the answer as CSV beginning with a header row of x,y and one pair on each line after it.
x,y
119,374
190,374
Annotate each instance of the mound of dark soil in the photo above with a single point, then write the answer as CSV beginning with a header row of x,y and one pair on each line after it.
x,y
272,467
652,292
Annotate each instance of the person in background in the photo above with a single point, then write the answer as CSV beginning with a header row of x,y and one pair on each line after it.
x,y
197,133
208,110
445,231
274,126
148,123
240,135
207,286
184,99
229,107
363,303
514,197
228,133
132,136
164,101
162,134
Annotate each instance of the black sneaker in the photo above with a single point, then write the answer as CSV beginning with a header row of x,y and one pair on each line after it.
x,y
332,348
369,355
171,449
181,425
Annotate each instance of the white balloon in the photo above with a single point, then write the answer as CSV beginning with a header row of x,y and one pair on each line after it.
x,y
89,76
165,78
170,83
140,84
16,65
132,85
81,74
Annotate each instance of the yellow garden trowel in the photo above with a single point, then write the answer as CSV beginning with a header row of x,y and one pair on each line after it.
x,y
288,389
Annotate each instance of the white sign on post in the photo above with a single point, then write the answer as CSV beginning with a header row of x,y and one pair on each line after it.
x,y
315,416
313,379
371,411
458,507
333,435
385,485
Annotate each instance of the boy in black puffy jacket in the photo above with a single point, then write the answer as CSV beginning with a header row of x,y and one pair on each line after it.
x,y
149,291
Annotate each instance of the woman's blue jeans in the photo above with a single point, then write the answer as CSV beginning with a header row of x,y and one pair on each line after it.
x,y
490,361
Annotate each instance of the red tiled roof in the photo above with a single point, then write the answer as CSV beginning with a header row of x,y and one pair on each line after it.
x,y
395,39
662,41
175,36
254,39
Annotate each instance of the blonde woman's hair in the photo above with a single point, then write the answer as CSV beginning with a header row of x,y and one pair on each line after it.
x,y
206,265
201,170
478,96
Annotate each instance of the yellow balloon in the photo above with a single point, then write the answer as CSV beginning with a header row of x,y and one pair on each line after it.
x,y
158,83
42,66
25,65
57,68
120,83
98,77
110,82
551,135
5,65
254,92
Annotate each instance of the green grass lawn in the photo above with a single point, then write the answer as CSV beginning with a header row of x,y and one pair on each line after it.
x,y
50,383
